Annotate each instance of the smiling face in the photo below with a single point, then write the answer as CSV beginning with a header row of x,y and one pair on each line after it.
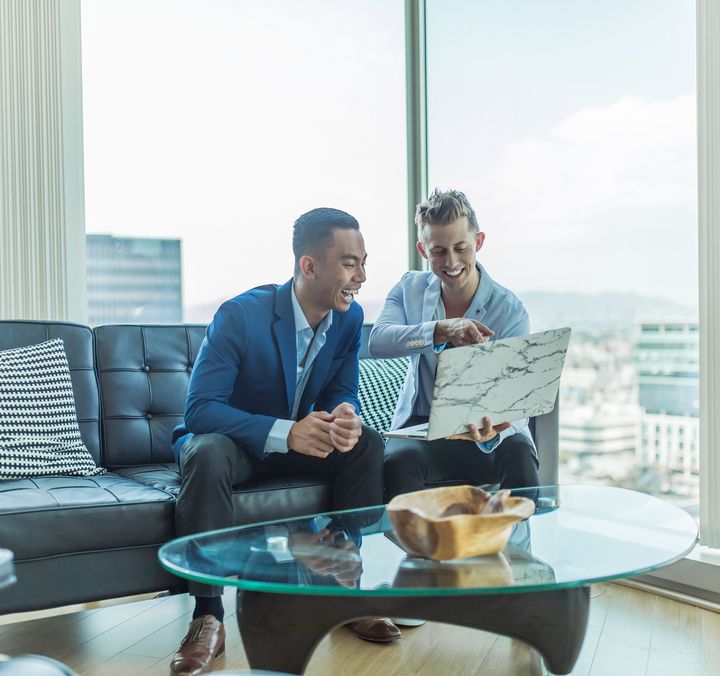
x,y
333,277
450,250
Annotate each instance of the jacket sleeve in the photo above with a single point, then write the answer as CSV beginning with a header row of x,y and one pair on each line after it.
x,y
393,335
207,407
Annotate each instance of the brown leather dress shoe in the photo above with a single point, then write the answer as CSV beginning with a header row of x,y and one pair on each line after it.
x,y
375,629
204,641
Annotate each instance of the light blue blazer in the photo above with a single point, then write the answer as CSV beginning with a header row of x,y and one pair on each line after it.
x,y
406,326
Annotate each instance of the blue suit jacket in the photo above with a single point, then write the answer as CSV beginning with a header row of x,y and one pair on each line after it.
x,y
244,377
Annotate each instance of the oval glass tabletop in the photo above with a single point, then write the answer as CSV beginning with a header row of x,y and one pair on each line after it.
x,y
578,535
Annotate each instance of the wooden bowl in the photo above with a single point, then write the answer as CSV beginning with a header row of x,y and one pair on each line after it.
x,y
456,522
492,570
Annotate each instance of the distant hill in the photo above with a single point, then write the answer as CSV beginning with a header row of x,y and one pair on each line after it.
x,y
203,313
600,311
549,309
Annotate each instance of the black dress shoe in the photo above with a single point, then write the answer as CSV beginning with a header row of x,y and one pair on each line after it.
x,y
375,629
204,641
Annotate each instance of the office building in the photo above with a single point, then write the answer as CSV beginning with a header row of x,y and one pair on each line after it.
x,y
133,279
667,357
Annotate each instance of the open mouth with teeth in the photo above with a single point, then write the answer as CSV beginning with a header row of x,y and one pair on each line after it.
x,y
349,294
454,274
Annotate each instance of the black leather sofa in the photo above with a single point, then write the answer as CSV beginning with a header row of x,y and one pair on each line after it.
x,y
80,539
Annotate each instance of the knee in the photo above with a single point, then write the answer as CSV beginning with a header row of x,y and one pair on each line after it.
x,y
518,445
401,459
371,447
208,455
519,462
527,455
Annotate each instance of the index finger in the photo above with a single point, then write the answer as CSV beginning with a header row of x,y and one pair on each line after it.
x,y
346,423
322,415
323,425
473,334
484,330
463,436
486,425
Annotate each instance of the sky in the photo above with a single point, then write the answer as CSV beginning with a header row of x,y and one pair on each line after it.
x,y
570,125
222,122
572,128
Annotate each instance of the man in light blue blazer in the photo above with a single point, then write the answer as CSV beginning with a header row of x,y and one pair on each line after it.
x,y
273,392
456,303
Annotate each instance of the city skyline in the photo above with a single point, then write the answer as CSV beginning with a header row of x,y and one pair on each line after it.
x,y
628,399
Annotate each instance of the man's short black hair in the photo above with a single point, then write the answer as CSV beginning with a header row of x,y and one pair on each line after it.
x,y
314,230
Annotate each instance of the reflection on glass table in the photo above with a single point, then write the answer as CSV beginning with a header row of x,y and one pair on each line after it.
x,y
7,568
352,566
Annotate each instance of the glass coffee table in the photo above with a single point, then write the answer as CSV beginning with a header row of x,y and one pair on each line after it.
x,y
300,578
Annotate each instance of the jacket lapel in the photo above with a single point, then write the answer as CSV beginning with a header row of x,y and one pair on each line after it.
x,y
482,295
431,298
284,333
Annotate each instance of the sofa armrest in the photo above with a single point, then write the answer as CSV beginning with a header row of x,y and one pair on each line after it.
x,y
547,436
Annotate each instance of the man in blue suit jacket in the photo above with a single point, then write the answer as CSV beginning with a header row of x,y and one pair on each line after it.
x,y
456,303
274,392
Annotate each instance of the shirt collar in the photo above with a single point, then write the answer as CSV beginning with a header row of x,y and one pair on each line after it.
x,y
482,295
479,300
301,322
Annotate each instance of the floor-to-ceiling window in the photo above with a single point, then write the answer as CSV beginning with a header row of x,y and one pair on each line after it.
x,y
211,126
572,128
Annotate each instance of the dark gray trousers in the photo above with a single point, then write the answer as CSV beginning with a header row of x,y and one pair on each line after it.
x,y
410,464
211,464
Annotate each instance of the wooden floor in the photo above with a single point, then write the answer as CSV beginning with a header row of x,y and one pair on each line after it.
x,y
630,633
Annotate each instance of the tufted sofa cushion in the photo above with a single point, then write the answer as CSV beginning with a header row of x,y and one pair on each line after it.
x,y
261,500
79,514
144,373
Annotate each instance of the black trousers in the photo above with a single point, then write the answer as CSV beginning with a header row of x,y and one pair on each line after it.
x,y
410,464
211,464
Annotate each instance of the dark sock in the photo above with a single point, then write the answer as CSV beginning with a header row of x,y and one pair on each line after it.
x,y
209,605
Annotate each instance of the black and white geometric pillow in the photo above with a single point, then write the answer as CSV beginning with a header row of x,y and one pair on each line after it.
x,y
380,383
39,432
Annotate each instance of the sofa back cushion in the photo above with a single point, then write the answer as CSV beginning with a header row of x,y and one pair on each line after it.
x,y
39,432
144,373
380,383
78,344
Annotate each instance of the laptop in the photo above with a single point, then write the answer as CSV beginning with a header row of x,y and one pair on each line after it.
x,y
505,380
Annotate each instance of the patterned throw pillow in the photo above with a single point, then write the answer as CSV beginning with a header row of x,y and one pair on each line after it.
x,y
380,383
39,432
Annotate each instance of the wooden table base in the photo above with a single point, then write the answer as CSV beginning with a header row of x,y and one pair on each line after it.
x,y
281,631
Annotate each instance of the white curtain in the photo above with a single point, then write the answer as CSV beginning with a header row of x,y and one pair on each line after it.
x,y
42,228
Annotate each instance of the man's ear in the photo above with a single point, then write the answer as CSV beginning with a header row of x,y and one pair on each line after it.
x,y
421,250
307,267
479,240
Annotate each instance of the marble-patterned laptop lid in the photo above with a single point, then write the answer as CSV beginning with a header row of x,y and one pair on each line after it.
x,y
505,379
